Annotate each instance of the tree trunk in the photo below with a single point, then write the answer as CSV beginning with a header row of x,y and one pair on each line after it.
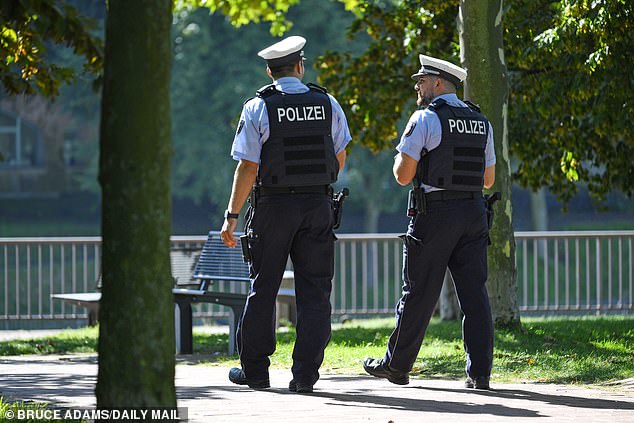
x,y
482,53
371,218
539,210
136,334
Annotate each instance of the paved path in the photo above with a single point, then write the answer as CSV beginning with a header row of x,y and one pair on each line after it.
x,y
69,381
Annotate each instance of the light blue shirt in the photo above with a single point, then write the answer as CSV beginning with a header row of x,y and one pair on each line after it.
x,y
427,133
253,129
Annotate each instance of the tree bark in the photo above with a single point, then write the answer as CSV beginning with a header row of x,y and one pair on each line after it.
x,y
136,334
482,53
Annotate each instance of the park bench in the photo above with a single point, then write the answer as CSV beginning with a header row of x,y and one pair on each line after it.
x,y
218,277
182,261
218,263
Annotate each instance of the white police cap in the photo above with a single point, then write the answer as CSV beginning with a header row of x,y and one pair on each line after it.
x,y
285,52
442,68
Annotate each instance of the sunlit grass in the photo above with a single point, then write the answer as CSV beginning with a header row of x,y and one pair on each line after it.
x,y
554,350
575,350
71,341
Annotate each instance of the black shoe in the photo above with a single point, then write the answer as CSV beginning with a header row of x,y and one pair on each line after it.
x,y
478,382
379,369
299,387
237,376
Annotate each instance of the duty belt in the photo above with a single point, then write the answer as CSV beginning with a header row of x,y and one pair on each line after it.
x,y
451,195
317,189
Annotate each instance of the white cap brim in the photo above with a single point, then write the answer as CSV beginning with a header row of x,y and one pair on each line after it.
x,y
287,51
442,68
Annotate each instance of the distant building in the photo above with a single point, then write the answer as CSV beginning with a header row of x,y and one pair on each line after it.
x,y
33,162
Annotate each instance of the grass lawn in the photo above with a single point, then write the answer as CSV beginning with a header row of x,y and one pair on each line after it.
x,y
554,350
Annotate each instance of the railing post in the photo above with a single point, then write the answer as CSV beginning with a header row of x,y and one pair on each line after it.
x,y
598,274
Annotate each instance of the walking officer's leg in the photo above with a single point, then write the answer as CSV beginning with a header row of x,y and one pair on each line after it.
x,y
270,244
312,254
425,252
468,266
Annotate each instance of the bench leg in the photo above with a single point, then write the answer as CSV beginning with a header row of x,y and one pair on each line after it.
x,y
184,338
236,312
93,315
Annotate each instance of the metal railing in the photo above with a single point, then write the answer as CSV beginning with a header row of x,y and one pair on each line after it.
x,y
556,272
575,271
31,269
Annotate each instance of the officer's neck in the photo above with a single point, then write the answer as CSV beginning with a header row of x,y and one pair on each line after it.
x,y
285,77
443,92
298,72
290,75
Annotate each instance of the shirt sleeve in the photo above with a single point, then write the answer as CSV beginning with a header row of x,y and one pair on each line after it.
x,y
489,150
340,131
414,137
252,131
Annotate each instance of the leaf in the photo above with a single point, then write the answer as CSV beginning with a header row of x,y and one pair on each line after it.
x,y
569,166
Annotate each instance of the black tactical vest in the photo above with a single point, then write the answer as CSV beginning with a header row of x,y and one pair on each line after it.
x,y
299,150
458,162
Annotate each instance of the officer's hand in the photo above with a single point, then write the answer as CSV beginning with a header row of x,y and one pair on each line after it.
x,y
226,233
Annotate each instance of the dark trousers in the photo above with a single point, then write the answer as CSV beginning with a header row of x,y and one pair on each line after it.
x,y
299,225
453,234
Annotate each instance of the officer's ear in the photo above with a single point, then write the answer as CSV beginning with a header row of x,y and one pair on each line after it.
x,y
268,72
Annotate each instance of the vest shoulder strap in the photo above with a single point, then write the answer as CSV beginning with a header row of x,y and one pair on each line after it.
x,y
437,104
317,88
472,106
267,91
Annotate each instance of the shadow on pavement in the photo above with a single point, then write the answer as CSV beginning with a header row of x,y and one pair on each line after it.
x,y
368,400
565,400
46,387
365,399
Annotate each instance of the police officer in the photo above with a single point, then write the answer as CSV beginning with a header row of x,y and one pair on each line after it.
x,y
447,153
290,146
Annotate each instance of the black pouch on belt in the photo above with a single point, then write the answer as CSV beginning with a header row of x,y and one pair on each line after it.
x,y
246,252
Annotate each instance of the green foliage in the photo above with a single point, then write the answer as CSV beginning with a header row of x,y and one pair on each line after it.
x,y
570,108
27,26
376,84
571,87
215,69
242,12
569,114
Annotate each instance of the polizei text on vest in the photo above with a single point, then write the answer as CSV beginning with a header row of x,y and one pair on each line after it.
x,y
301,113
467,126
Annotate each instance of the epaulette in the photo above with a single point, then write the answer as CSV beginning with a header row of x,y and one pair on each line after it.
x,y
437,104
318,88
472,106
266,91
